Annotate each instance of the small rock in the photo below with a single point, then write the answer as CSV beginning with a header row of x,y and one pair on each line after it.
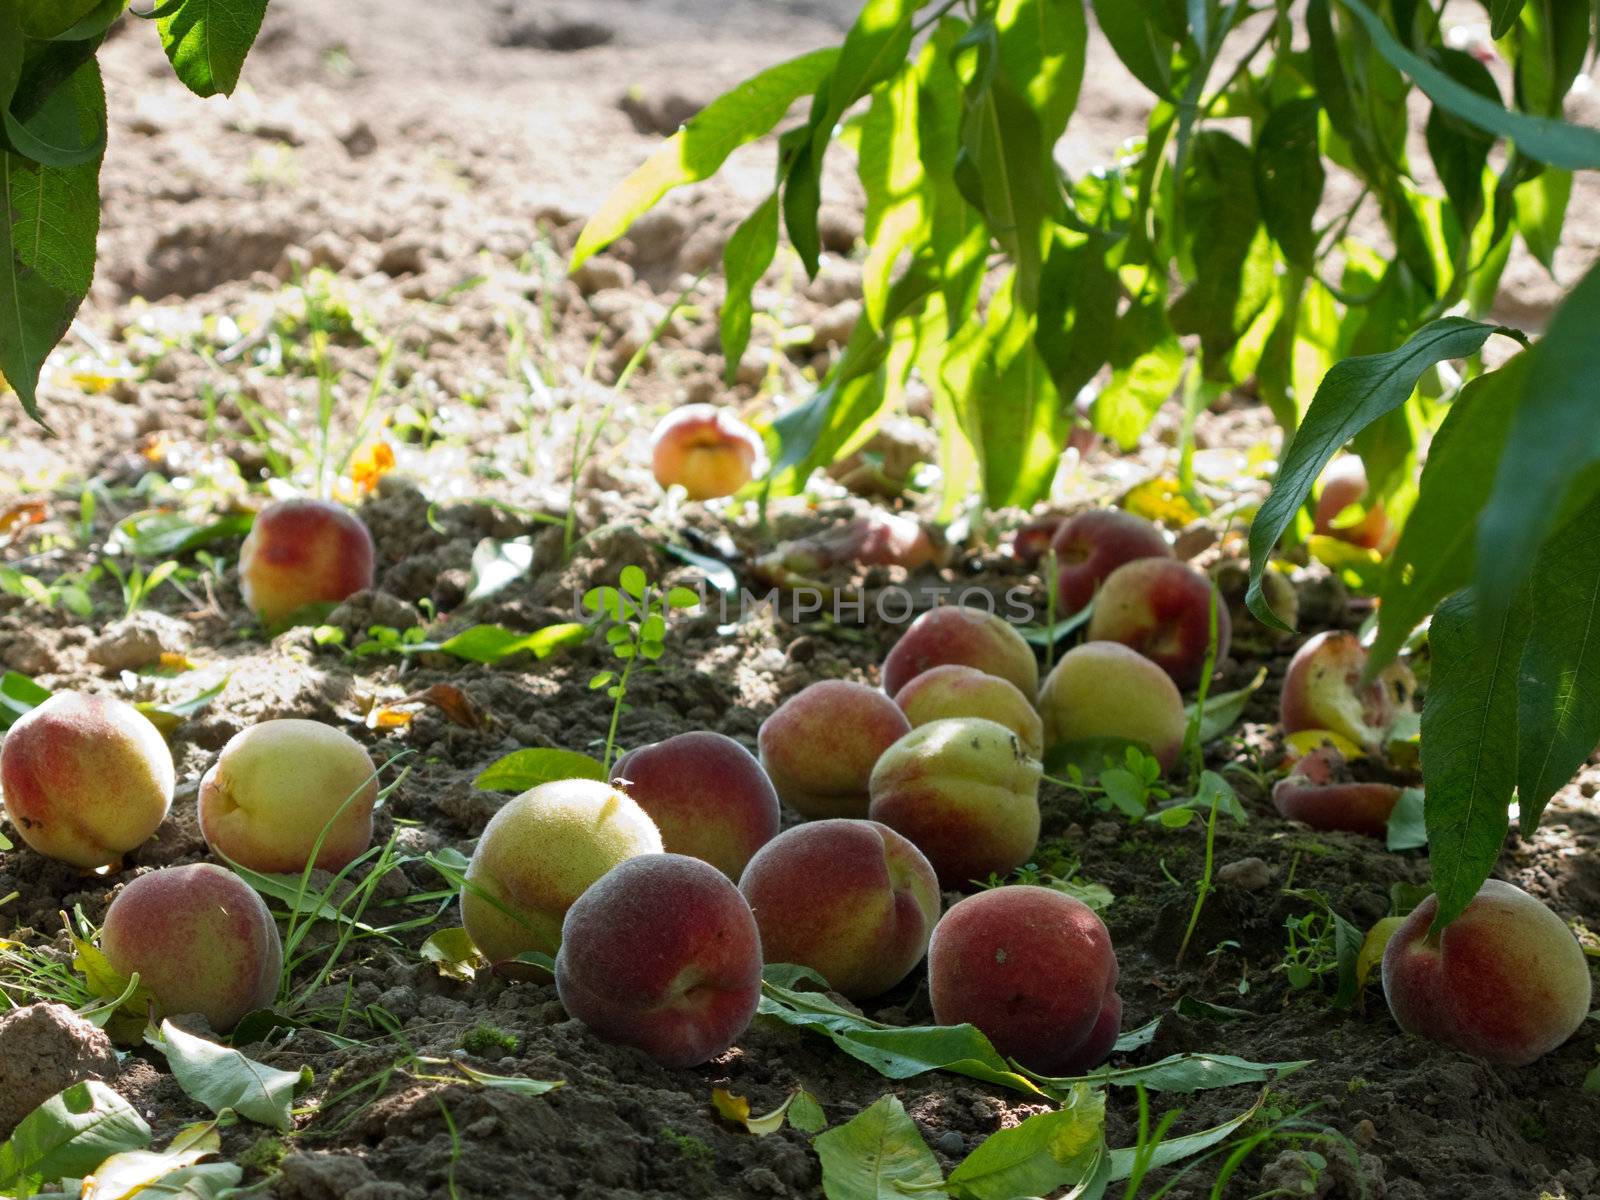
x,y
833,326
838,280
138,641
657,114
657,236
601,272
358,139
1246,875
44,1049
1365,1133
950,1142
839,228
404,256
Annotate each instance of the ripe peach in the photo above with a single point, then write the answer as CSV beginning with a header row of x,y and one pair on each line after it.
x,y
1506,980
85,779
1091,545
852,900
967,636
956,691
539,853
1106,690
967,795
705,449
1322,793
200,939
662,953
706,793
302,552
1161,608
1344,483
819,748
1034,970
277,786
1322,689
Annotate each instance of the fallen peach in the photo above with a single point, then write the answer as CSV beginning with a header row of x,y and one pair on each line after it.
x,y
200,939
1105,690
1161,608
85,779
956,691
821,744
1344,484
706,450
662,953
1322,689
1032,539
1321,793
303,552
852,900
967,636
1506,980
1092,544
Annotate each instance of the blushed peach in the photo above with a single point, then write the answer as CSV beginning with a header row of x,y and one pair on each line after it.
x,y
706,793
1034,970
85,779
1322,689
538,854
303,552
970,637
821,744
662,953
1344,484
1161,608
1506,980
706,450
200,939
965,793
956,691
852,900
1321,793
1105,690
1092,544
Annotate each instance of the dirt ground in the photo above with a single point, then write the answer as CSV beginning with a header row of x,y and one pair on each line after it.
x,y
408,176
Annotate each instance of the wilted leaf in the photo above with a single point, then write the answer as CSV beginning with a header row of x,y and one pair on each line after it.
x,y
452,951
737,1109
224,1079
520,1085
144,1172
18,515
1373,946
168,716
1223,711
446,697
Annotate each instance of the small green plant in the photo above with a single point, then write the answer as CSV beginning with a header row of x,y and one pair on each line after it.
x,y
689,1146
1321,947
635,617
485,1040
1214,795
137,584
1060,874
1130,788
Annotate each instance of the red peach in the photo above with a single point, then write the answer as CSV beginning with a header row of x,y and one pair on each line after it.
x,y
662,953
821,744
706,450
966,636
1344,484
1091,545
1161,608
303,552
956,691
706,793
1322,689
1321,793
852,900
1105,690
1033,538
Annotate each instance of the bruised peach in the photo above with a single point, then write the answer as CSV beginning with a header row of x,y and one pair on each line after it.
x,y
662,953
956,691
965,793
538,854
1091,545
1321,793
706,793
1161,608
1322,689
1344,485
278,787
200,939
1034,970
1105,690
85,779
302,552
1506,980
820,746
969,637
852,900
706,450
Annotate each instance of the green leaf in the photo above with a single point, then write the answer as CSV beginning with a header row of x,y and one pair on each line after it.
x,y
1177,1073
1077,327
45,20
1042,47
162,534
1144,48
1407,828
519,1085
524,769
1176,1149
167,717
174,1171
878,1155
1460,152
19,695
491,643
1469,740
223,1079
1356,392
745,260
68,1136
1503,16
60,134
633,581
1021,423
1289,178
1147,364
452,952
1224,710
893,180
1045,1153
207,41
1541,206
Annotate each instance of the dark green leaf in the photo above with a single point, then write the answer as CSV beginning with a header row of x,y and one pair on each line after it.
x,y
1132,28
1042,48
745,259
1179,1073
68,1136
1223,711
19,695
61,133
1290,178
1503,16
1147,364
524,769
878,1155
1459,151
162,534
1077,324
1407,829
207,41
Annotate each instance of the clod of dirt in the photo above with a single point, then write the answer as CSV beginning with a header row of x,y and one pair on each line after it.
x,y
334,1177
1246,875
44,1049
138,641
553,32
657,114
602,272
26,652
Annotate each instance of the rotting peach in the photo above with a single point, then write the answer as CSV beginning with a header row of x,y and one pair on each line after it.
x,y
303,552
662,953
279,786
200,939
852,900
1344,484
1161,608
1506,980
821,744
1033,538
966,636
1034,970
538,854
1322,689
1091,545
706,793
1320,792
85,779
966,794
1106,690
706,450
957,691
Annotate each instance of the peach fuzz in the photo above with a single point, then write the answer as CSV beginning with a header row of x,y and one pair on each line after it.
x,y
706,793
965,793
821,744
1320,792
538,854
956,691
1505,981
662,954
969,637
852,900
706,450
200,939
277,786
1322,689
1162,608
1344,483
1105,690
1091,545
302,552
85,779
1034,970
